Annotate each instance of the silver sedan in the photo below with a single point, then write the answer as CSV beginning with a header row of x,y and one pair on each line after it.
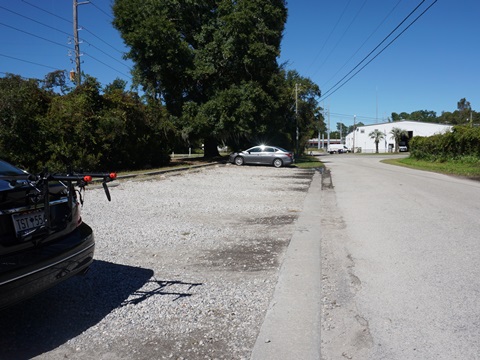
x,y
263,154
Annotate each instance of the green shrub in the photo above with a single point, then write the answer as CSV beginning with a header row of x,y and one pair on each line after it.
x,y
461,143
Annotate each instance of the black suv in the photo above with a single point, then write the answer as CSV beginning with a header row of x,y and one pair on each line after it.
x,y
43,239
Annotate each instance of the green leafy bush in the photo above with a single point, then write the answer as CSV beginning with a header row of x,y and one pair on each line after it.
x,y
81,130
461,144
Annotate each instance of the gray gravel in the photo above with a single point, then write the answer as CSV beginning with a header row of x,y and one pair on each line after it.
x,y
185,268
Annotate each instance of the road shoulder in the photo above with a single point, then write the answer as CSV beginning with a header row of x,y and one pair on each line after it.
x,y
345,332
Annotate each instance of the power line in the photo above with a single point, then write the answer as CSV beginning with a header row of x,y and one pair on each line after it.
x,y
106,43
341,38
98,38
361,46
351,116
82,28
107,54
38,22
37,36
371,52
101,10
27,61
331,32
63,32
324,97
48,12
70,22
101,62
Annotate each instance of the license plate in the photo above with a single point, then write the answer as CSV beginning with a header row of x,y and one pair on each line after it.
x,y
28,221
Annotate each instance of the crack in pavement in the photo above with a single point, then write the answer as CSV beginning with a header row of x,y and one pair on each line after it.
x,y
345,332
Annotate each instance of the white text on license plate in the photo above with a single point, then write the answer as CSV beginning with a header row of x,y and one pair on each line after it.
x,y
28,221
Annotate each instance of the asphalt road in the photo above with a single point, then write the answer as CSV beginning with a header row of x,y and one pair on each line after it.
x,y
400,263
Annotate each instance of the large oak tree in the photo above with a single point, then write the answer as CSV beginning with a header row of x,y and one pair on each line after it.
x,y
212,63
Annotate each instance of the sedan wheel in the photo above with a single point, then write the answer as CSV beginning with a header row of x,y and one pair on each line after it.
x,y
277,163
239,160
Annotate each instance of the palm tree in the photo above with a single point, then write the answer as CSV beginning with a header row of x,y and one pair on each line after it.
x,y
397,135
376,135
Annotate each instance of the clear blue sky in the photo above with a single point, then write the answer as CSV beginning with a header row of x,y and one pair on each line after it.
x,y
430,67
41,32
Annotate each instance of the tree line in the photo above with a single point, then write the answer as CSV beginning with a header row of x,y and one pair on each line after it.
x,y
85,128
206,74
464,114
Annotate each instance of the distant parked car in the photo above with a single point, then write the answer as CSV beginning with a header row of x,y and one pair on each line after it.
x,y
263,154
43,239
402,146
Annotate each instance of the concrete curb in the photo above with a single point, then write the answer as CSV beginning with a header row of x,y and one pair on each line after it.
x,y
291,328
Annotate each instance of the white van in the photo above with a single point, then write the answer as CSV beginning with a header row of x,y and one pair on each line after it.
x,y
338,148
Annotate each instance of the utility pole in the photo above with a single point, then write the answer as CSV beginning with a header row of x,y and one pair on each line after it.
x,y
354,124
328,131
318,132
296,119
325,122
78,76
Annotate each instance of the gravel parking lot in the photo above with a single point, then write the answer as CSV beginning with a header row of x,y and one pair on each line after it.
x,y
186,265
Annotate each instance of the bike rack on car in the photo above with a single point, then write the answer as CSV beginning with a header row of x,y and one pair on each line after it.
x,y
41,184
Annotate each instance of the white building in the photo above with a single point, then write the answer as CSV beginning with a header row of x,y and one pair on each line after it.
x,y
361,140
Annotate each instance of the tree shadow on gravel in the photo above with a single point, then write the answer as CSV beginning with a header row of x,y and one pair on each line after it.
x,y
48,320
161,287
